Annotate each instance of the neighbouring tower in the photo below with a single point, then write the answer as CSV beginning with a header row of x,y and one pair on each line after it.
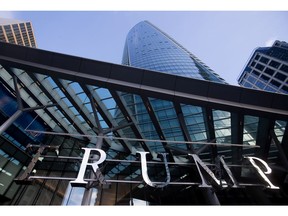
x,y
267,69
17,32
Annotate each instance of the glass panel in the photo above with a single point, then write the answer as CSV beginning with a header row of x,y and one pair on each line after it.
x,y
168,121
12,190
140,114
30,193
250,129
279,129
7,173
73,196
194,120
76,87
103,92
44,197
222,126
83,97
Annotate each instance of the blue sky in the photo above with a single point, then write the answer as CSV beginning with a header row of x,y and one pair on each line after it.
x,y
223,39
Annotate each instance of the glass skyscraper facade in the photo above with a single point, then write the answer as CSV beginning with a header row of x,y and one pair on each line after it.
x,y
149,47
267,69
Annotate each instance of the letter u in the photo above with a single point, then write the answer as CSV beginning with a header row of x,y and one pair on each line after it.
x,y
145,170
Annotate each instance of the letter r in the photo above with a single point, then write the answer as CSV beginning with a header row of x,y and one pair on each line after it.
x,y
85,163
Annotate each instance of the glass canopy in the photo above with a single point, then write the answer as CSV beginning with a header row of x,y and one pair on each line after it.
x,y
81,100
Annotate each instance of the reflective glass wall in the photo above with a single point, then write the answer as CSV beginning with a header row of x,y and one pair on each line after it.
x,y
150,48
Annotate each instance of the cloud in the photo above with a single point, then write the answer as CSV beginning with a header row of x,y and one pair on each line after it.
x,y
7,14
270,41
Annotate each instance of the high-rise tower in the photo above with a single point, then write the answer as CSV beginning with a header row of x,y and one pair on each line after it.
x,y
17,32
148,47
267,69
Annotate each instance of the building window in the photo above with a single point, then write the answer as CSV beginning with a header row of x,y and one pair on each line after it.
x,y
269,71
248,85
274,64
274,82
253,64
285,88
284,68
264,60
260,84
251,79
269,88
257,57
9,34
264,77
280,76
2,37
256,73
260,67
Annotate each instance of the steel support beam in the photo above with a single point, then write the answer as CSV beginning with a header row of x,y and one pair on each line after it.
x,y
20,110
264,138
10,121
281,152
87,196
107,75
284,142
156,124
24,178
129,117
49,94
237,124
210,196
209,124
74,100
183,126
34,96
105,115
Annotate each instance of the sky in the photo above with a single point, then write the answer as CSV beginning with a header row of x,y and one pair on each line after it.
x,y
222,39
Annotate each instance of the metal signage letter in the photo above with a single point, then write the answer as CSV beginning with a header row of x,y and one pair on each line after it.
x,y
261,172
198,162
84,164
228,171
145,170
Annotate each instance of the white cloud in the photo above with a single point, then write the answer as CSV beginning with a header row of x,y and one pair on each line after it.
x,y
270,41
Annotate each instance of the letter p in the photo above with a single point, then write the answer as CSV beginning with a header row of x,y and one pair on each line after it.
x,y
261,172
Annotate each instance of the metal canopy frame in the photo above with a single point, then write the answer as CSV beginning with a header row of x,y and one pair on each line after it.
x,y
209,96
146,83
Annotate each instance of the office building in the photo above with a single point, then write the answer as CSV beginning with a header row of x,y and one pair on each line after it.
x,y
17,32
77,103
267,69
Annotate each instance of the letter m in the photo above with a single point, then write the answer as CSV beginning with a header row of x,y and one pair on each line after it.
x,y
201,166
